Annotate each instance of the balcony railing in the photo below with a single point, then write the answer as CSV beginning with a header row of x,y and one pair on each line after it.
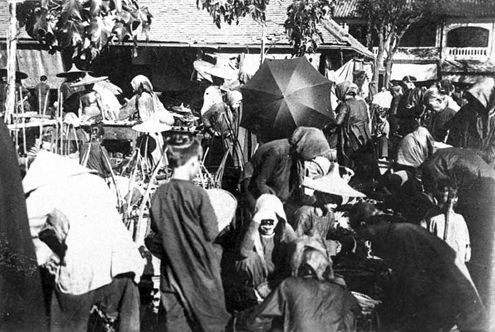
x,y
467,51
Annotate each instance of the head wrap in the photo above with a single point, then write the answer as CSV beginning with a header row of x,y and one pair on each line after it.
x,y
345,88
269,206
318,166
310,252
234,97
212,96
141,81
309,143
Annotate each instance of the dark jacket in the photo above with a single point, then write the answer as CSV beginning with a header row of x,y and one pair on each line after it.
x,y
22,307
473,126
354,132
462,166
185,227
302,305
277,165
411,104
437,123
430,290
274,169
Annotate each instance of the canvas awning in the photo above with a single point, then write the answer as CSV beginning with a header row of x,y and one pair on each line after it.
x,y
422,72
35,63
40,62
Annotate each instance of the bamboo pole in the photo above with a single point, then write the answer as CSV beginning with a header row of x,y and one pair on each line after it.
x,y
262,53
45,103
23,115
42,119
11,62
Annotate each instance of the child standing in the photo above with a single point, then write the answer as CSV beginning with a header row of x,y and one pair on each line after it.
x,y
185,227
448,225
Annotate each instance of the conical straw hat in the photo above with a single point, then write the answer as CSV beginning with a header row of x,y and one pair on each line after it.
x,y
151,126
332,183
72,71
19,75
224,204
88,79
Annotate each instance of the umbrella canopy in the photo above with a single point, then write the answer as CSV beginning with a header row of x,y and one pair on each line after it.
x,y
283,95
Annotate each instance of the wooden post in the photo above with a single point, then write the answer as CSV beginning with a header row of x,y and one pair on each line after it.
x,y
11,61
262,53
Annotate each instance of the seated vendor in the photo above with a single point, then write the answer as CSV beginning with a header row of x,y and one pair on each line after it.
x,y
90,105
309,301
318,220
264,252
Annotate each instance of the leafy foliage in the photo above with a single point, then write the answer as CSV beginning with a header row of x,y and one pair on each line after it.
x,y
390,19
303,17
231,10
84,26
301,23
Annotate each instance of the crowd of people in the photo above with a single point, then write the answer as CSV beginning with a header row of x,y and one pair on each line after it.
x,y
382,220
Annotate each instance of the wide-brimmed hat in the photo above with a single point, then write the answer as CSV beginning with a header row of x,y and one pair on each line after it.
x,y
332,183
181,109
73,71
151,126
88,79
19,75
224,204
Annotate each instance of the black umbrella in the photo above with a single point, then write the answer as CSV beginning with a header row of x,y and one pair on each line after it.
x,y
284,95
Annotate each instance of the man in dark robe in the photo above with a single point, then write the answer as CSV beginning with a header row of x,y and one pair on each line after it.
x,y
429,289
411,102
185,227
21,307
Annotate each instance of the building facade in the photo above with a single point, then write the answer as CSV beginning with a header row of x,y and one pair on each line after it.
x,y
458,45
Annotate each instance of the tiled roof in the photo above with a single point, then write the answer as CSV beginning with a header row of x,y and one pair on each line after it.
x,y
452,8
4,18
181,22
333,27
